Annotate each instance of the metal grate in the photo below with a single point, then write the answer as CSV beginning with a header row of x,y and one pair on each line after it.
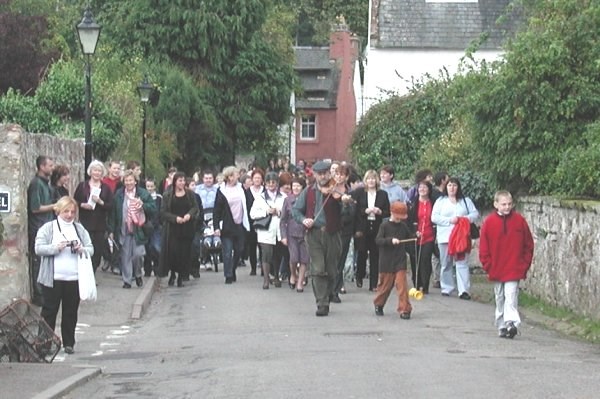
x,y
24,335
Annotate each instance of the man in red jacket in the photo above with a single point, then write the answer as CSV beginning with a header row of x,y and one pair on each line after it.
x,y
506,251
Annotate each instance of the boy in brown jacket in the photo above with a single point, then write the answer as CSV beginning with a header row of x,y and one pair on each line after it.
x,y
392,260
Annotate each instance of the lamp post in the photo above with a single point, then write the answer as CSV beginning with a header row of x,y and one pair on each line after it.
x,y
89,32
145,90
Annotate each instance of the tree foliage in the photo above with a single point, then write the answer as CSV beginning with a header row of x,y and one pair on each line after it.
x,y
540,101
23,55
528,123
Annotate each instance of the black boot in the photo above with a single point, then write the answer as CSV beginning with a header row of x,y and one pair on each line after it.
x,y
172,279
179,280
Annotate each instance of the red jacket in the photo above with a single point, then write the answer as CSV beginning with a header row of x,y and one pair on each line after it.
x,y
505,247
459,243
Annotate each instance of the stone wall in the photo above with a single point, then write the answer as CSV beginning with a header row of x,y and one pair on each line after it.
x,y
18,151
566,265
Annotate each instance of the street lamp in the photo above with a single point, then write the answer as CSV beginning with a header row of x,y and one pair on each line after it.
x,y
89,32
145,90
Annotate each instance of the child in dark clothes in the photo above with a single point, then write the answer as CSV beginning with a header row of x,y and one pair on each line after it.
x,y
392,260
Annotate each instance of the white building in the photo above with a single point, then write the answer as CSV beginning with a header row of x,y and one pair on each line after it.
x,y
412,38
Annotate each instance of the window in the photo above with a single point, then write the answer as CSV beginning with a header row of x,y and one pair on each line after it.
x,y
309,127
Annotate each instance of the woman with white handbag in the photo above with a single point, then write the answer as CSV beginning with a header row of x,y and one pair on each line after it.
x,y
60,243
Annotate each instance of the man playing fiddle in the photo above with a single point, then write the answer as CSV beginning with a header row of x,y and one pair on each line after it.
x,y
319,209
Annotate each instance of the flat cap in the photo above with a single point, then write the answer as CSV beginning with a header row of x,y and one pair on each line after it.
x,y
321,166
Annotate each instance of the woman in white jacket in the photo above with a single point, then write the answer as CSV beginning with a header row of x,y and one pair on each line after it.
x,y
270,202
59,243
445,214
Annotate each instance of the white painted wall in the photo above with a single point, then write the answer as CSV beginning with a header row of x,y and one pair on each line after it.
x,y
389,71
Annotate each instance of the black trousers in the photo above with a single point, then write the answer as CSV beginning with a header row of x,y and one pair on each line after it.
x,y
339,278
250,246
421,277
370,250
34,270
99,242
66,292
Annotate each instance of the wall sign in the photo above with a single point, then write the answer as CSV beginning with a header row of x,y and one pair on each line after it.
x,y
4,201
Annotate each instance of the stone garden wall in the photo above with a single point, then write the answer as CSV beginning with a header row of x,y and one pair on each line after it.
x,y
566,265
18,151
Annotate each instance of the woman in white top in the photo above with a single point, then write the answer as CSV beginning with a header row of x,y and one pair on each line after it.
x,y
446,211
230,218
59,242
269,203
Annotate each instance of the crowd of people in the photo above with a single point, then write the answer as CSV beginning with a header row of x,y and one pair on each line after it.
x,y
318,223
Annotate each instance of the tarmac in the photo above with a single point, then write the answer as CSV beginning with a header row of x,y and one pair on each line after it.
x,y
56,379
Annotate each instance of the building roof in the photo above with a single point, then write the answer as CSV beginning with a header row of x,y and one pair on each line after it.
x,y
319,78
440,24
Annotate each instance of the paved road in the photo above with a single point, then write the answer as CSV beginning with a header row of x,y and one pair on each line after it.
x,y
210,340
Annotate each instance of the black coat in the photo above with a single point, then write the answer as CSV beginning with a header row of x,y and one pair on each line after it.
x,y
362,223
168,219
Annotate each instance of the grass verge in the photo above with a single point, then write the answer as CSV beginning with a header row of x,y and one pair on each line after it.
x,y
552,317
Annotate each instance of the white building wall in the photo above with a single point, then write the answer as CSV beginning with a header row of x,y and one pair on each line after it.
x,y
391,71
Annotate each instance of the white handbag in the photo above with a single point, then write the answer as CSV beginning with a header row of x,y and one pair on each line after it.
x,y
86,279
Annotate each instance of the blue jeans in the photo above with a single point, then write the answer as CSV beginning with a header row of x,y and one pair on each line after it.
x,y
233,248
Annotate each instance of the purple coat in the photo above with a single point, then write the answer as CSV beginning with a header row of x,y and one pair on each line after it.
x,y
288,226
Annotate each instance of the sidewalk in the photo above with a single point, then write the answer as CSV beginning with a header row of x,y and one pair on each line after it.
x,y
34,380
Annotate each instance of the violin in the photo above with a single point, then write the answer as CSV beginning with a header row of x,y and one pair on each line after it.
x,y
337,190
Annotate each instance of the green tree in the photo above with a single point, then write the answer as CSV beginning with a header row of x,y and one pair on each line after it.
x,y
221,46
24,53
539,102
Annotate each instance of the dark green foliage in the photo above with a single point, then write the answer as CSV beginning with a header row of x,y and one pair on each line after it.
x,y
185,112
537,104
23,57
398,130
61,91
27,112
579,165
527,124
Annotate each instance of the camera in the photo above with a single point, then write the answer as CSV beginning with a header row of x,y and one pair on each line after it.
x,y
72,245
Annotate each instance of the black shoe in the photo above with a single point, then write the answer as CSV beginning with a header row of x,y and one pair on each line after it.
x,y
253,272
445,294
342,290
172,280
379,310
277,282
196,274
126,285
69,350
147,274
465,296
503,333
322,311
335,298
179,282
405,316
139,282
234,278
228,280
358,283
511,330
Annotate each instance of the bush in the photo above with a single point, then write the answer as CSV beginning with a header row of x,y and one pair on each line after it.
x,y
62,92
579,166
27,112
397,131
